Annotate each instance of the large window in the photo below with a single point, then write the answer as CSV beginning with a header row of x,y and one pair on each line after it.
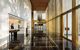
x,y
68,25
67,4
67,18
77,2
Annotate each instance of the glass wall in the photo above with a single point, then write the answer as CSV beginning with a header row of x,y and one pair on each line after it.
x,y
77,2
67,18
67,5
64,23
70,26
67,24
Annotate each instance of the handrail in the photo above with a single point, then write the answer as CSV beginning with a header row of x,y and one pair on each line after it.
x,y
66,38
77,7
43,46
51,39
62,37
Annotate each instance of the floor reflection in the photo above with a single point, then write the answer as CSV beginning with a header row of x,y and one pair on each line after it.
x,y
64,44
18,44
40,43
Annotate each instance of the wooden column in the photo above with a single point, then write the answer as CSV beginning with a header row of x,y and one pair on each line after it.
x,y
55,18
61,27
32,22
74,27
32,25
61,32
48,27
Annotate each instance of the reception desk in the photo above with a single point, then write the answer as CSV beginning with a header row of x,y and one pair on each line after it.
x,y
13,36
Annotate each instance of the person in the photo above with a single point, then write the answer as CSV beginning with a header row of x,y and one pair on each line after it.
x,y
18,26
12,27
26,32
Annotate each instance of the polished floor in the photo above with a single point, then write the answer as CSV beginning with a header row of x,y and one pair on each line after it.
x,y
17,45
39,42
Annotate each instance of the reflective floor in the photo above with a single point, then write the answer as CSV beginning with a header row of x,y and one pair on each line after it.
x,y
42,42
18,44
39,42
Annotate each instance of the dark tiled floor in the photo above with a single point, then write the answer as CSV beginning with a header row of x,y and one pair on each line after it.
x,y
62,44
42,43
38,44
18,44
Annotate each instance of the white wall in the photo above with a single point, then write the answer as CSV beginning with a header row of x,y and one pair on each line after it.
x,y
21,8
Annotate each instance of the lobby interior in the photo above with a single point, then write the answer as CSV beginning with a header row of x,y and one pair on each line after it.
x,y
39,25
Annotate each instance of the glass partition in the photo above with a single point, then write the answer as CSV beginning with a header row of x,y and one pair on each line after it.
x,y
64,23
67,4
77,2
68,25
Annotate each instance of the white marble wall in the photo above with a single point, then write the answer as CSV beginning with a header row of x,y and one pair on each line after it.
x,y
21,8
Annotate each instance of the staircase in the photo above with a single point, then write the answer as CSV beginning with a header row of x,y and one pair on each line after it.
x,y
40,41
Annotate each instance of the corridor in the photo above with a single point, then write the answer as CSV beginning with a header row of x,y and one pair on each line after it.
x,y
39,24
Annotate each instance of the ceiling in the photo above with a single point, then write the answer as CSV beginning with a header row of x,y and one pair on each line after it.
x,y
39,5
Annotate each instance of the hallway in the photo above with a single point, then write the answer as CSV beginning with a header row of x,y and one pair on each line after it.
x,y
39,24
